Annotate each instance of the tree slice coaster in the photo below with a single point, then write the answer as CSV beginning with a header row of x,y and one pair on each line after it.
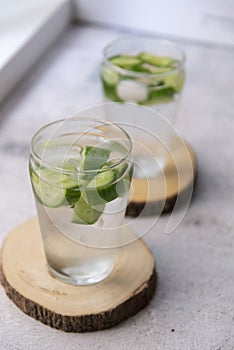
x,y
30,286
158,195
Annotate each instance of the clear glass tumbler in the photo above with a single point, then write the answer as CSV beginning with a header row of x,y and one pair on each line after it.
x,y
80,174
147,71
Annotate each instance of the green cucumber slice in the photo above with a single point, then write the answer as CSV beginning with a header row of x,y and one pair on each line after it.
x,y
46,193
158,96
56,177
125,61
72,195
94,157
110,76
101,189
123,175
93,198
119,170
150,68
175,80
85,214
138,68
160,61
105,177
108,184
123,185
53,188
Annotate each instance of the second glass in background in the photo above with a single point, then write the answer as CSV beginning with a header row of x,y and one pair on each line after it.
x,y
146,71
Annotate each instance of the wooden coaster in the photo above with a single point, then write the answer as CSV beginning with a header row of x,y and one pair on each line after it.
x,y
29,285
158,195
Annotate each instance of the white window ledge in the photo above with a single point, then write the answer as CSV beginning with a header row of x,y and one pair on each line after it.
x,y
27,28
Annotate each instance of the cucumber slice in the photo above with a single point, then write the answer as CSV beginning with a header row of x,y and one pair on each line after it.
x,y
123,186
110,76
110,184
138,68
105,177
158,96
58,178
160,61
72,195
53,188
69,180
85,214
155,69
120,169
123,175
106,186
94,157
175,80
125,61
108,193
93,198
122,178
46,193
101,189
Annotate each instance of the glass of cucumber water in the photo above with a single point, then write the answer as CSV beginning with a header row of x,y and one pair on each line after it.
x,y
147,71
80,171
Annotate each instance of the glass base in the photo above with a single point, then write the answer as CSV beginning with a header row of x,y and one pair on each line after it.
x,y
78,279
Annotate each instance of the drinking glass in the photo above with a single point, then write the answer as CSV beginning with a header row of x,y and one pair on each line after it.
x,y
80,172
147,71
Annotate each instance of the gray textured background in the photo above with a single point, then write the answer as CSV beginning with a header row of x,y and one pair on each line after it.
x,y
194,304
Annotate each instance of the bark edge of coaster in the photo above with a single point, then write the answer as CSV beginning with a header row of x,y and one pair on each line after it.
x,y
27,282
156,196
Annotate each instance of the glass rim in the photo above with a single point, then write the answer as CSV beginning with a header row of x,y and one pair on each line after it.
x,y
66,171
141,74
